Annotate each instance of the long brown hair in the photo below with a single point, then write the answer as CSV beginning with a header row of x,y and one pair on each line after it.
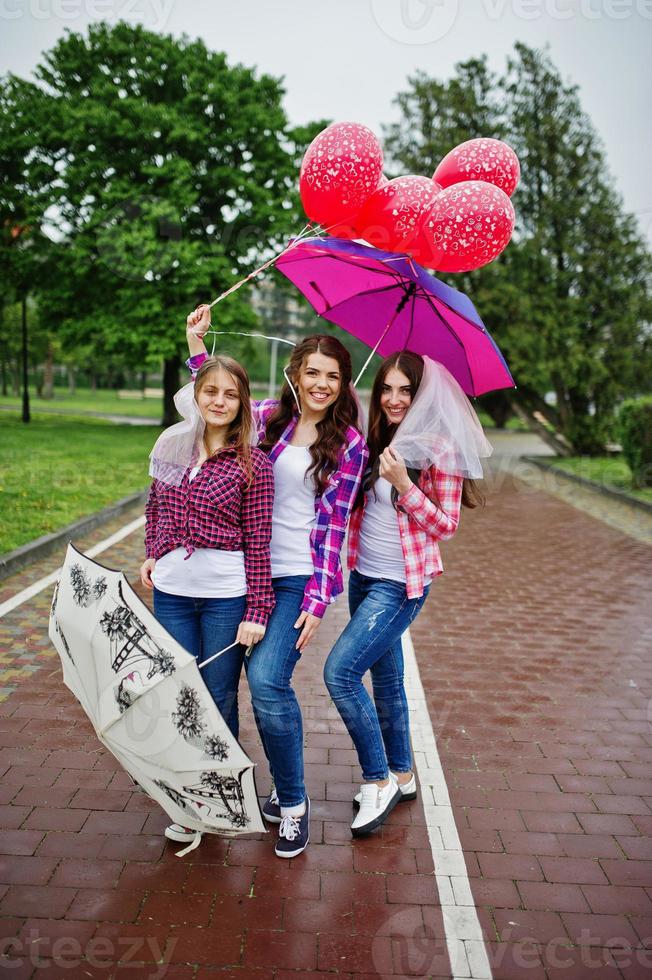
x,y
331,430
239,433
380,431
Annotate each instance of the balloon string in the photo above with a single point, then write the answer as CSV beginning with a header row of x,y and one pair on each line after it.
x,y
239,333
305,232
260,336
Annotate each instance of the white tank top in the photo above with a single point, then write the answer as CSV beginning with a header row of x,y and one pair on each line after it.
x,y
293,516
380,553
209,573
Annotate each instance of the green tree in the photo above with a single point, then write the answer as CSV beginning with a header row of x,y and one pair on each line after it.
x,y
569,301
175,172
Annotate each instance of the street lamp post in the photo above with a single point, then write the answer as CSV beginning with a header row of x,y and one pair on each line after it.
x,y
26,413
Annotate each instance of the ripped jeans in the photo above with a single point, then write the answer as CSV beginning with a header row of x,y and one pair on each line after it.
x,y
380,729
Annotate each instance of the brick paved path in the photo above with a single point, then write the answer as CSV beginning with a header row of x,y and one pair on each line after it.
x,y
534,651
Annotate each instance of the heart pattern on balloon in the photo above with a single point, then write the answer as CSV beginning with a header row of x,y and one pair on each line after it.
x,y
467,226
391,218
484,159
340,170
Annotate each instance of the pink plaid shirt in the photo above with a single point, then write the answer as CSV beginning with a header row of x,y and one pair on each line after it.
x,y
421,525
218,510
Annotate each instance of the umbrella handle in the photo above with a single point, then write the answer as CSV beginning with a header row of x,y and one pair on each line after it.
x,y
216,655
410,291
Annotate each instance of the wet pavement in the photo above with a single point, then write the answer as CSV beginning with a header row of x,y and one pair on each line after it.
x,y
534,651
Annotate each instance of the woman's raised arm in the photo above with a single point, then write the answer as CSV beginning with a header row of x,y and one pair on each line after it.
x,y
197,324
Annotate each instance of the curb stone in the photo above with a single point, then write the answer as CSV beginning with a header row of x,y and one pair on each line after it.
x,y
546,463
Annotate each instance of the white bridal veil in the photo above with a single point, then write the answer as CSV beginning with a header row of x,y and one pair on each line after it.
x,y
176,448
441,428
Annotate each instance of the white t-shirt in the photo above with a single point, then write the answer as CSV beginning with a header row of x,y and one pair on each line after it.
x,y
380,553
208,573
293,515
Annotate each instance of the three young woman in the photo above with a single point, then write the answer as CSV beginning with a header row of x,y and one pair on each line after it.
x,y
318,457
398,515
207,532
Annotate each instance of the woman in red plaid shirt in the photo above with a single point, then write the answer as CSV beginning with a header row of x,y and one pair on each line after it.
x,y
318,455
399,517
207,532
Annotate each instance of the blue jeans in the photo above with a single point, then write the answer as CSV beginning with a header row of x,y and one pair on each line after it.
x,y
276,709
202,627
380,729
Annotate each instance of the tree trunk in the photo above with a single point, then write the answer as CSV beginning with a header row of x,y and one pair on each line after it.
x,y
48,372
72,379
93,382
143,382
555,440
498,405
170,387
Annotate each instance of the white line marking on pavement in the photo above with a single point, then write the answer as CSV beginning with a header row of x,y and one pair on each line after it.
x,y
97,549
464,938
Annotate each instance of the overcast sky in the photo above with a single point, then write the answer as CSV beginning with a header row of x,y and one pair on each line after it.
x,y
346,59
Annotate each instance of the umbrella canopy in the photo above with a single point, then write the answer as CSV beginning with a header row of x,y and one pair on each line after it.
x,y
391,303
148,703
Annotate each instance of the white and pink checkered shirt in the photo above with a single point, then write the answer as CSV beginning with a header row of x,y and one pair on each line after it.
x,y
422,523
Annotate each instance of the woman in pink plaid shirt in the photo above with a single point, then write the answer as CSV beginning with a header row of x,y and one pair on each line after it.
x,y
399,517
207,532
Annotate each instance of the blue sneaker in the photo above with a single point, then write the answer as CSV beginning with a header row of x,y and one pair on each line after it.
x,y
272,808
293,834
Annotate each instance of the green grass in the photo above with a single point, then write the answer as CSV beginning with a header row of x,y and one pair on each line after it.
x,y
610,471
514,424
105,401
85,400
57,469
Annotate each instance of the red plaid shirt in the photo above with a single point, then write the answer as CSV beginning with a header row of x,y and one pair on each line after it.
x,y
421,524
216,510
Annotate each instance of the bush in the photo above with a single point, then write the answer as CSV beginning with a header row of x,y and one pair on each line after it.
x,y
635,434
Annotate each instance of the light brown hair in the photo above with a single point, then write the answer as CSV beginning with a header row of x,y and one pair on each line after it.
x,y
240,430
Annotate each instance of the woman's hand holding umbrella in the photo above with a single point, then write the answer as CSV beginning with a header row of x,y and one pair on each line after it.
x,y
249,634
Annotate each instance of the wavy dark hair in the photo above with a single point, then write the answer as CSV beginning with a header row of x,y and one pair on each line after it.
x,y
240,430
331,430
380,431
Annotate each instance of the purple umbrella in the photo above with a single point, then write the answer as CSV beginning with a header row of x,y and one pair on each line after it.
x,y
390,303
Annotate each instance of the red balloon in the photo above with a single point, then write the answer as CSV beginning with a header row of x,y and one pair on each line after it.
x,y
391,217
340,169
467,226
480,159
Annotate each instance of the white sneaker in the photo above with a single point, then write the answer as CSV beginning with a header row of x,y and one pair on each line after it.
x,y
179,833
408,791
376,804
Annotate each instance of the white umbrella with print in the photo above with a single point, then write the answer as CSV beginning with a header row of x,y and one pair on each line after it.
x,y
148,703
